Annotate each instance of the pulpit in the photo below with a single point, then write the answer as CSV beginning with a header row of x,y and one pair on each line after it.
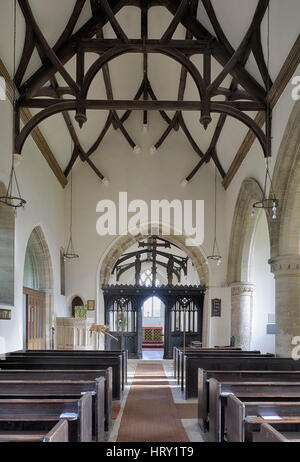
x,y
74,334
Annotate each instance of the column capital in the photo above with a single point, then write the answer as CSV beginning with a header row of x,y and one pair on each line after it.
x,y
285,265
242,288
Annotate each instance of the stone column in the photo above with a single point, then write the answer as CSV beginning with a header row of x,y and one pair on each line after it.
x,y
241,313
286,270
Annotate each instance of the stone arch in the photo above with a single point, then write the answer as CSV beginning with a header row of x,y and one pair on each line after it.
x,y
242,230
121,244
38,250
285,236
286,183
124,242
238,273
7,240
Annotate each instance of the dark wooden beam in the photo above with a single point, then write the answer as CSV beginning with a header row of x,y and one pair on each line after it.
x,y
112,19
286,73
50,54
176,20
96,45
67,50
219,51
140,105
36,134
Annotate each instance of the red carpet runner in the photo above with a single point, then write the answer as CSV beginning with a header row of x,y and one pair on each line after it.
x,y
150,414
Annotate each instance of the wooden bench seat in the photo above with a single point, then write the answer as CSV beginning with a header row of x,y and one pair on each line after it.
x,y
78,413
236,376
94,353
66,375
46,389
278,433
245,391
260,363
244,418
49,432
176,351
213,354
69,362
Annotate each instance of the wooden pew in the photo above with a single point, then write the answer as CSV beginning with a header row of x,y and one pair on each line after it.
x,y
245,418
245,391
192,364
278,433
213,353
78,413
46,389
97,353
177,350
46,432
30,375
69,362
236,376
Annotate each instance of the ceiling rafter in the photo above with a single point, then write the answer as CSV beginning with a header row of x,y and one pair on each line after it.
x,y
286,72
198,41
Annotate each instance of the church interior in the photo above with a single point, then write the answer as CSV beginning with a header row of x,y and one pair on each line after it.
x,y
123,326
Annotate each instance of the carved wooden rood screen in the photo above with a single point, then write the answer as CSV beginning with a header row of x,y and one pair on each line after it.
x,y
42,90
123,315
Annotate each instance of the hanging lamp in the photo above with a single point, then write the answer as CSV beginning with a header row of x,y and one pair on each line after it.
x,y
215,255
270,203
13,197
70,253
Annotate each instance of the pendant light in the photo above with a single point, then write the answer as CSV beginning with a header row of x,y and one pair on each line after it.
x,y
70,253
13,196
270,203
215,255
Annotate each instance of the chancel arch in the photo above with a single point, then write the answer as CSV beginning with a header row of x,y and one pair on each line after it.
x,y
121,246
38,307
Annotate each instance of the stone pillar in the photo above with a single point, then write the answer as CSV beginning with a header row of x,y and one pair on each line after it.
x,y
241,313
286,270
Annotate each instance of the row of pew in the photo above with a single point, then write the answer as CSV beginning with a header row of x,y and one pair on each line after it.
x,y
59,395
243,396
187,362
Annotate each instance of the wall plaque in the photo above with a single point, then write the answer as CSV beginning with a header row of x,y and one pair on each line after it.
x,y
216,307
5,314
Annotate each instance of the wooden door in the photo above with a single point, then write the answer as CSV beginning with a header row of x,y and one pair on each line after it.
x,y
35,319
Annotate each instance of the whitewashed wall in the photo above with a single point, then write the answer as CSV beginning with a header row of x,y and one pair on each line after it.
x,y
45,207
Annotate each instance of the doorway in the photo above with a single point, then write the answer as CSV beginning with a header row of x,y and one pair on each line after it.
x,y
35,307
37,294
153,328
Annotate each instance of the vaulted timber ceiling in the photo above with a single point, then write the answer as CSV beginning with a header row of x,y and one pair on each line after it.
x,y
171,57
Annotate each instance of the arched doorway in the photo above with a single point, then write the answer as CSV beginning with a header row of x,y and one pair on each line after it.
x,y
153,328
37,293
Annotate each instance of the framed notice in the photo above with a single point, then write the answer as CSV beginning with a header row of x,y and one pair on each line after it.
x,y
216,307
5,314
91,305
